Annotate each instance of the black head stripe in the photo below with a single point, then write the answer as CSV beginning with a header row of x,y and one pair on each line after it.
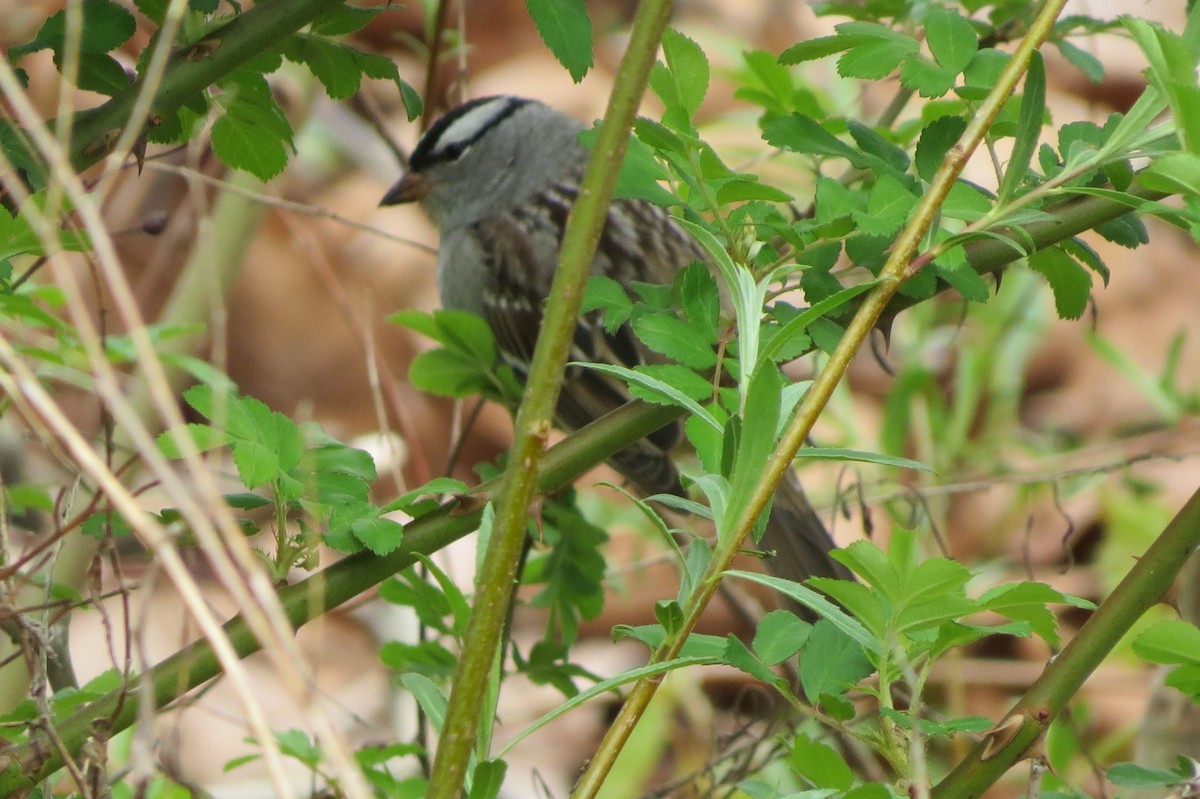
x,y
435,146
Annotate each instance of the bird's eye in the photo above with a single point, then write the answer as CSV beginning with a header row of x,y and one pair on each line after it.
x,y
454,151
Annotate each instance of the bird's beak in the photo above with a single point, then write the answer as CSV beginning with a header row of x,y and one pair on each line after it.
x,y
410,188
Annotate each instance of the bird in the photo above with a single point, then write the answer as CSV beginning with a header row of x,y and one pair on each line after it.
x,y
498,176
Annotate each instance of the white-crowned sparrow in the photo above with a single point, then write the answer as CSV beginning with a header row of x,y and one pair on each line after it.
x,y
498,176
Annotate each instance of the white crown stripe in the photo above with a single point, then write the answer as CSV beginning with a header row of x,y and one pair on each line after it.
x,y
466,129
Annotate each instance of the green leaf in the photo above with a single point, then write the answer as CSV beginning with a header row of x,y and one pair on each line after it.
x,y
1026,601
833,662
487,779
1171,642
952,266
951,39
1173,173
936,140
253,135
878,54
342,19
888,206
610,298
925,77
1131,775
684,380
105,26
566,29
842,454
100,73
1081,59
683,84
736,654
820,764
678,340
871,141
780,635
654,390
1185,679
760,419
332,63
1069,281
1173,72
701,300
819,47
462,331
428,696
204,438
817,603
449,373
641,172
1029,128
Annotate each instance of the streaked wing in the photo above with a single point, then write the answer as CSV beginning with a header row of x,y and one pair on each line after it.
x,y
639,242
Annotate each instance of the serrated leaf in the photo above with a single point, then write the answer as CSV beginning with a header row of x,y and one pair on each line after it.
x,y
610,298
105,26
888,206
204,438
951,39
1171,642
1069,281
566,29
667,335
381,536
875,60
100,73
238,140
332,63
871,141
779,635
925,77
800,133
936,140
688,69
819,47
953,267
449,373
738,655
832,662
342,19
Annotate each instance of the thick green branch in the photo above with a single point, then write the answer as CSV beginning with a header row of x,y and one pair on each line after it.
x,y
1142,588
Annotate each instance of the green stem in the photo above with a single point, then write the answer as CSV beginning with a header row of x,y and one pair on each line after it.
x,y
533,423
192,70
1142,588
